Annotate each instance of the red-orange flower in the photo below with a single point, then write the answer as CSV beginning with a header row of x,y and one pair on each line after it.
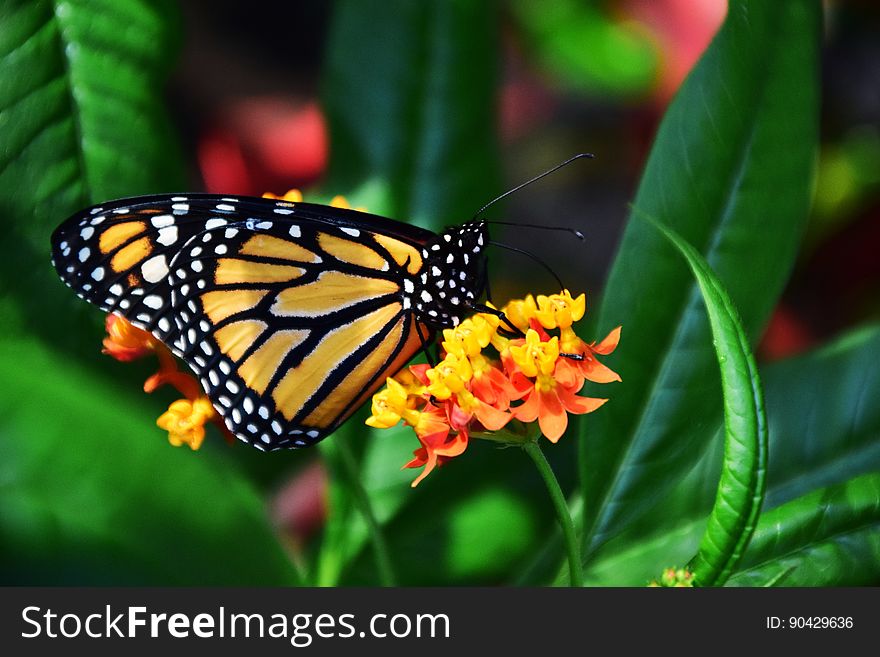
x,y
126,342
472,394
590,368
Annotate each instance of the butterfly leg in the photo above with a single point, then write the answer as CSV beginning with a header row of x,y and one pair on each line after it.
x,y
425,346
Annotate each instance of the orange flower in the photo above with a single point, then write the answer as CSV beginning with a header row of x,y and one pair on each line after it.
x,y
125,342
589,368
185,421
436,449
547,400
546,397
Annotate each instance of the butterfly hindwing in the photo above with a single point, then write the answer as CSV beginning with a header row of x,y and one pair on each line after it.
x,y
289,328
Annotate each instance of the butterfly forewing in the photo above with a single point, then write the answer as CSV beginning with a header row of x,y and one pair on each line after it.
x,y
291,315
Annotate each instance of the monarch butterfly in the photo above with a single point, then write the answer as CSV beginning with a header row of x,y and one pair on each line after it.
x,y
290,314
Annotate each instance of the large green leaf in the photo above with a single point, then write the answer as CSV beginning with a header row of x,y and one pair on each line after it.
x,y
836,439
824,416
741,486
829,537
409,92
730,172
81,121
91,493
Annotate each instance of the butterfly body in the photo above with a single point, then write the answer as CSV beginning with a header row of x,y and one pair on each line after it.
x,y
290,314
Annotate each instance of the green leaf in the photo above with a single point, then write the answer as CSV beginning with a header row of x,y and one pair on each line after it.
x,y
829,537
91,492
741,487
730,172
409,92
81,121
824,416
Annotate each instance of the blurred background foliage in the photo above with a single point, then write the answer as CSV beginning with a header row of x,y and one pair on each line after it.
x,y
424,112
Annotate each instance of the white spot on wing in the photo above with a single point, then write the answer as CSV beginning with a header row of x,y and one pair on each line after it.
x,y
155,269
167,235
153,301
162,220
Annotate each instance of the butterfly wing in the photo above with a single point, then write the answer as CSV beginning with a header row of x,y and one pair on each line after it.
x,y
290,314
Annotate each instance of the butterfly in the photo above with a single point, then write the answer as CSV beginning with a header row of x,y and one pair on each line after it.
x,y
290,314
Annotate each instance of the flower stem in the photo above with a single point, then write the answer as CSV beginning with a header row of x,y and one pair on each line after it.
x,y
362,501
575,572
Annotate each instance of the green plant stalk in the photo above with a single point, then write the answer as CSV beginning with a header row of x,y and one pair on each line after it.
x,y
576,575
362,501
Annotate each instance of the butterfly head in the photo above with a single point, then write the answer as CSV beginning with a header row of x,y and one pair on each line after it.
x,y
454,275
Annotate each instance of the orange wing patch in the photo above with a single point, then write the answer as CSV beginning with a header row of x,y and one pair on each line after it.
x,y
352,253
401,252
235,339
231,271
118,234
266,246
127,257
220,304
331,291
412,345
355,381
301,382
261,365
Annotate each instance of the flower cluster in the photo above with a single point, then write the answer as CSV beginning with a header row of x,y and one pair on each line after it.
x,y
185,418
529,375
674,578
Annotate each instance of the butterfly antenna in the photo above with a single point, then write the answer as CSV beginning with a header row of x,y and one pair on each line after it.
x,y
566,229
530,181
533,257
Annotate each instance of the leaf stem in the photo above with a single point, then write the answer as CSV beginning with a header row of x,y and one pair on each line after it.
x,y
576,576
362,501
